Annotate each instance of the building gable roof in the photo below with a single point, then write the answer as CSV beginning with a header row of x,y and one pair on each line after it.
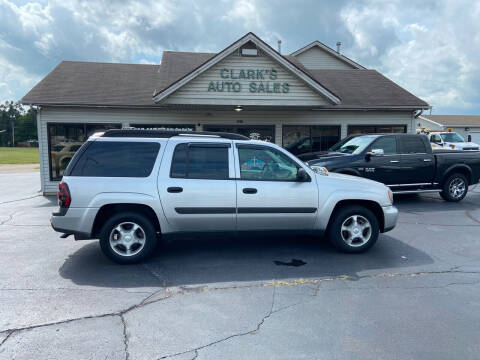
x,y
329,51
250,37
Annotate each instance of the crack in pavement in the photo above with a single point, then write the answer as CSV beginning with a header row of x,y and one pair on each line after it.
x,y
180,291
16,200
125,336
259,325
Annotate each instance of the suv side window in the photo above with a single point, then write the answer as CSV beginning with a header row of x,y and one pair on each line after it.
x,y
264,163
388,144
412,144
117,159
200,161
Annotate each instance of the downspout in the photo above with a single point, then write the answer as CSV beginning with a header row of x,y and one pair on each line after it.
x,y
418,114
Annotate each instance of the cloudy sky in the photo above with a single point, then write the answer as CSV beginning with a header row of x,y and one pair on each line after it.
x,y
430,47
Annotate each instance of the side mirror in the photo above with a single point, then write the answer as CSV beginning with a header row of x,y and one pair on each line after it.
x,y
374,152
302,175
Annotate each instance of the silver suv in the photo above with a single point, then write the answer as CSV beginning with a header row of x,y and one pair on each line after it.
x,y
129,187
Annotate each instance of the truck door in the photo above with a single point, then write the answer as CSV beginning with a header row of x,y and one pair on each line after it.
x,y
197,185
417,162
384,168
269,194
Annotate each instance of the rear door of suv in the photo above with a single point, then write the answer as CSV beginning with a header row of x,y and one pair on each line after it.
x,y
197,185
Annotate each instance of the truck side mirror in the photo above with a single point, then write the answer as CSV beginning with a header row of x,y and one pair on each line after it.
x,y
374,152
302,175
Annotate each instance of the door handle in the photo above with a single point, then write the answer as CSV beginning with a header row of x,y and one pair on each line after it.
x,y
249,191
174,189
394,161
427,160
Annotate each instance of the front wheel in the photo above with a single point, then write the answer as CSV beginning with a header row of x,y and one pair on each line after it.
x,y
353,229
128,238
455,188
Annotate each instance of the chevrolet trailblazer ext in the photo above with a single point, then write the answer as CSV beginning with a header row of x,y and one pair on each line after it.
x,y
127,187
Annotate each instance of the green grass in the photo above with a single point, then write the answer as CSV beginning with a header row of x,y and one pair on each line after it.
x,y
18,155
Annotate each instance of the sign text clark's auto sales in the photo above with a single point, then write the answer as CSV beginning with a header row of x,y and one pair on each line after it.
x,y
256,81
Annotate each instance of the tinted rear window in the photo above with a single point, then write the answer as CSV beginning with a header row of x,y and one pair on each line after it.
x,y
412,144
117,159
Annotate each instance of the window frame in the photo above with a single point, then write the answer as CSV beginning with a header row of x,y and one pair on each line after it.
x,y
85,138
376,127
310,130
263,147
187,159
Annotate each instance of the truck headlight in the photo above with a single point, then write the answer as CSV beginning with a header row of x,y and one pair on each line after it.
x,y
390,196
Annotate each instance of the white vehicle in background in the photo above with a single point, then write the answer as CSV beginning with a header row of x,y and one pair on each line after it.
x,y
450,140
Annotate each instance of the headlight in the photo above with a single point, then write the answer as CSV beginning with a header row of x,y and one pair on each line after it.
x,y
319,170
390,196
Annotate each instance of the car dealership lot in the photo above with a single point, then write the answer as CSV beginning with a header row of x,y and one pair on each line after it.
x,y
416,294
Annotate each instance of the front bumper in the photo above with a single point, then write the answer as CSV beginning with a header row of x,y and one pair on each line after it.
x,y
390,216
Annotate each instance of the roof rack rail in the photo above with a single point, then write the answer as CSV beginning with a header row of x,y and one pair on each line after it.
x,y
152,133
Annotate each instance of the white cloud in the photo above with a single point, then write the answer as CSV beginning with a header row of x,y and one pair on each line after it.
x,y
426,49
12,76
246,12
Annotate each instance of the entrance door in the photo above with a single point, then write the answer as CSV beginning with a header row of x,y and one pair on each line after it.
x,y
269,196
198,190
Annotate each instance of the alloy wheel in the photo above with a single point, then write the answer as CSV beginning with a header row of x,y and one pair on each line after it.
x,y
356,231
127,239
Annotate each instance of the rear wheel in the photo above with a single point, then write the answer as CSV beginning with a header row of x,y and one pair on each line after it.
x,y
353,229
127,238
455,188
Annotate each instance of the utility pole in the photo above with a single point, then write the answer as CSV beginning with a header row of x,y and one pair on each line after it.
x,y
13,133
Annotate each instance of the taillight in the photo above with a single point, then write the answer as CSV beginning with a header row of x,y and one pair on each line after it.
x,y
64,198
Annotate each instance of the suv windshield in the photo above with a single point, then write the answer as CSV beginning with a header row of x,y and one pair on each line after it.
x,y
452,137
352,145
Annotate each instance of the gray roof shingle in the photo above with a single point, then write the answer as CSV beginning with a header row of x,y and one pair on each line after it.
x,y
110,84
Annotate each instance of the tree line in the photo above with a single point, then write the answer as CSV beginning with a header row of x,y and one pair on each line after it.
x,y
17,124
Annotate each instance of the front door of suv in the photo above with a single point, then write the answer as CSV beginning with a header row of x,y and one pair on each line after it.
x,y
269,196
197,187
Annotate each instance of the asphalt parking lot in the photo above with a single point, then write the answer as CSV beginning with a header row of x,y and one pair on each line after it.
x,y
415,295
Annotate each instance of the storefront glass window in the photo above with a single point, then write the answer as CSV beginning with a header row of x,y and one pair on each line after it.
x,y
300,139
65,139
255,132
373,129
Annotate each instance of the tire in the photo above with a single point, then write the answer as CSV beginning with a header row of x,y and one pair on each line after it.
x,y
128,238
349,240
455,188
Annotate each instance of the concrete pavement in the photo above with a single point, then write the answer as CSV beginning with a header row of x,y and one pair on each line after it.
x,y
416,294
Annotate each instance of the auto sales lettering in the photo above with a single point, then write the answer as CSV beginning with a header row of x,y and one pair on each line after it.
x,y
256,81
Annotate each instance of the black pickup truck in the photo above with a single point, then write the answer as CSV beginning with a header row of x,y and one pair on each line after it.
x,y
404,162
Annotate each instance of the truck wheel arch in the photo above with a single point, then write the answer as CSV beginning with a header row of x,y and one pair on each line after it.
x,y
458,168
108,210
373,206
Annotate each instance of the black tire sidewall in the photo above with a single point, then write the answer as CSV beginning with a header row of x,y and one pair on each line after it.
x,y
339,216
148,228
445,194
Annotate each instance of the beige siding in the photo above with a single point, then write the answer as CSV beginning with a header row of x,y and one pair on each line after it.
x,y
316,58
196,91
277,118
421,123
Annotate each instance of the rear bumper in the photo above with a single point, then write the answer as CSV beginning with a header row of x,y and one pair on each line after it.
x,y
76,221
390,216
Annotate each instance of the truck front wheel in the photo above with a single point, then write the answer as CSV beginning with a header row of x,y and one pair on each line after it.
x,y
128,238
455,188
353,229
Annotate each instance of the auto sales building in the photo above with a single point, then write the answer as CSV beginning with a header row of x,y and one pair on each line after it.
x,y
305,101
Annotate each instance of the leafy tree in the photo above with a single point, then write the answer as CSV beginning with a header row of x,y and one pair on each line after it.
x,y
14,115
